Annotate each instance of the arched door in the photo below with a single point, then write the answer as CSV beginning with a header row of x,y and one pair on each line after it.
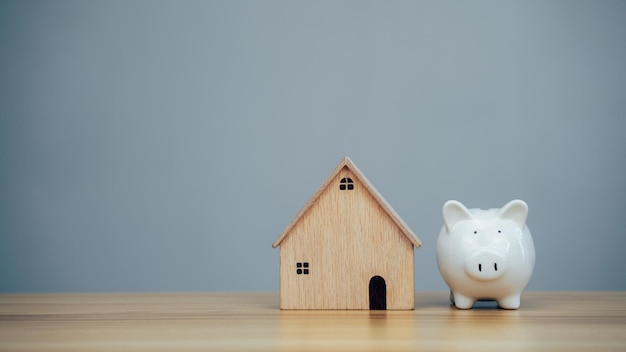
x,y
378,293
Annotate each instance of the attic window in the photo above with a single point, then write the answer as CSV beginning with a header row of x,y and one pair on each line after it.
x,y
302,268
346,183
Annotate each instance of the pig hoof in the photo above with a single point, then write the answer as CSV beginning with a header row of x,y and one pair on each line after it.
x,y
463,302
511,302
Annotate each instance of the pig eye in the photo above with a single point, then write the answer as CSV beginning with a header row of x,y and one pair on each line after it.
x,y
499,231
475,232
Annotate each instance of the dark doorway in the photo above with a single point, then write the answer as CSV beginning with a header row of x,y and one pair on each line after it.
x,y
378,293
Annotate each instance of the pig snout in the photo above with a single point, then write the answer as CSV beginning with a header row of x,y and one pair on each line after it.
x,y
486,266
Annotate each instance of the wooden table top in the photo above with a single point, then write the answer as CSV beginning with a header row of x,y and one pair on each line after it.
x,y
567,321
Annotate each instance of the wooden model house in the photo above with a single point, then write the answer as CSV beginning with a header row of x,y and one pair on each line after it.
x,y
347,249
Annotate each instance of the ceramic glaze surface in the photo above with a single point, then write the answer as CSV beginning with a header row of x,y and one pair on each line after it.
x,y
485,254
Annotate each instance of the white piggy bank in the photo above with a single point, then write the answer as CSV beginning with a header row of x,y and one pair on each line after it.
x,y
485,254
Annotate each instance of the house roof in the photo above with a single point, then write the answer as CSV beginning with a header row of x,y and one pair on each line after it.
x,y
346,162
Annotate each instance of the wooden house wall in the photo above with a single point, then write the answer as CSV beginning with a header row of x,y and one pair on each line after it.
x,y
346,238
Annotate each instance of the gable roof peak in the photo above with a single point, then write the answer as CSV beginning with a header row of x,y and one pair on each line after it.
x,y
347,162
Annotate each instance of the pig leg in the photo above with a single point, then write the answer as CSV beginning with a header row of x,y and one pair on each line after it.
x,y
510,302
462,302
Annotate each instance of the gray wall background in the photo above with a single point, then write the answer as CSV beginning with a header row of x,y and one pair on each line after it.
x,y
163,146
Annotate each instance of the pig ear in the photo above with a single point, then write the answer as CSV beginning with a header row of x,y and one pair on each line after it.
x,y
516,210
453,212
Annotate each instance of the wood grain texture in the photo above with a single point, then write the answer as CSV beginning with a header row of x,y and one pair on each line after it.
x,y
347,164
554,321
346,237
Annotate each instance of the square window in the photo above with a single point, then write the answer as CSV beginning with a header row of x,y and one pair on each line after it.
x,y
300,265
